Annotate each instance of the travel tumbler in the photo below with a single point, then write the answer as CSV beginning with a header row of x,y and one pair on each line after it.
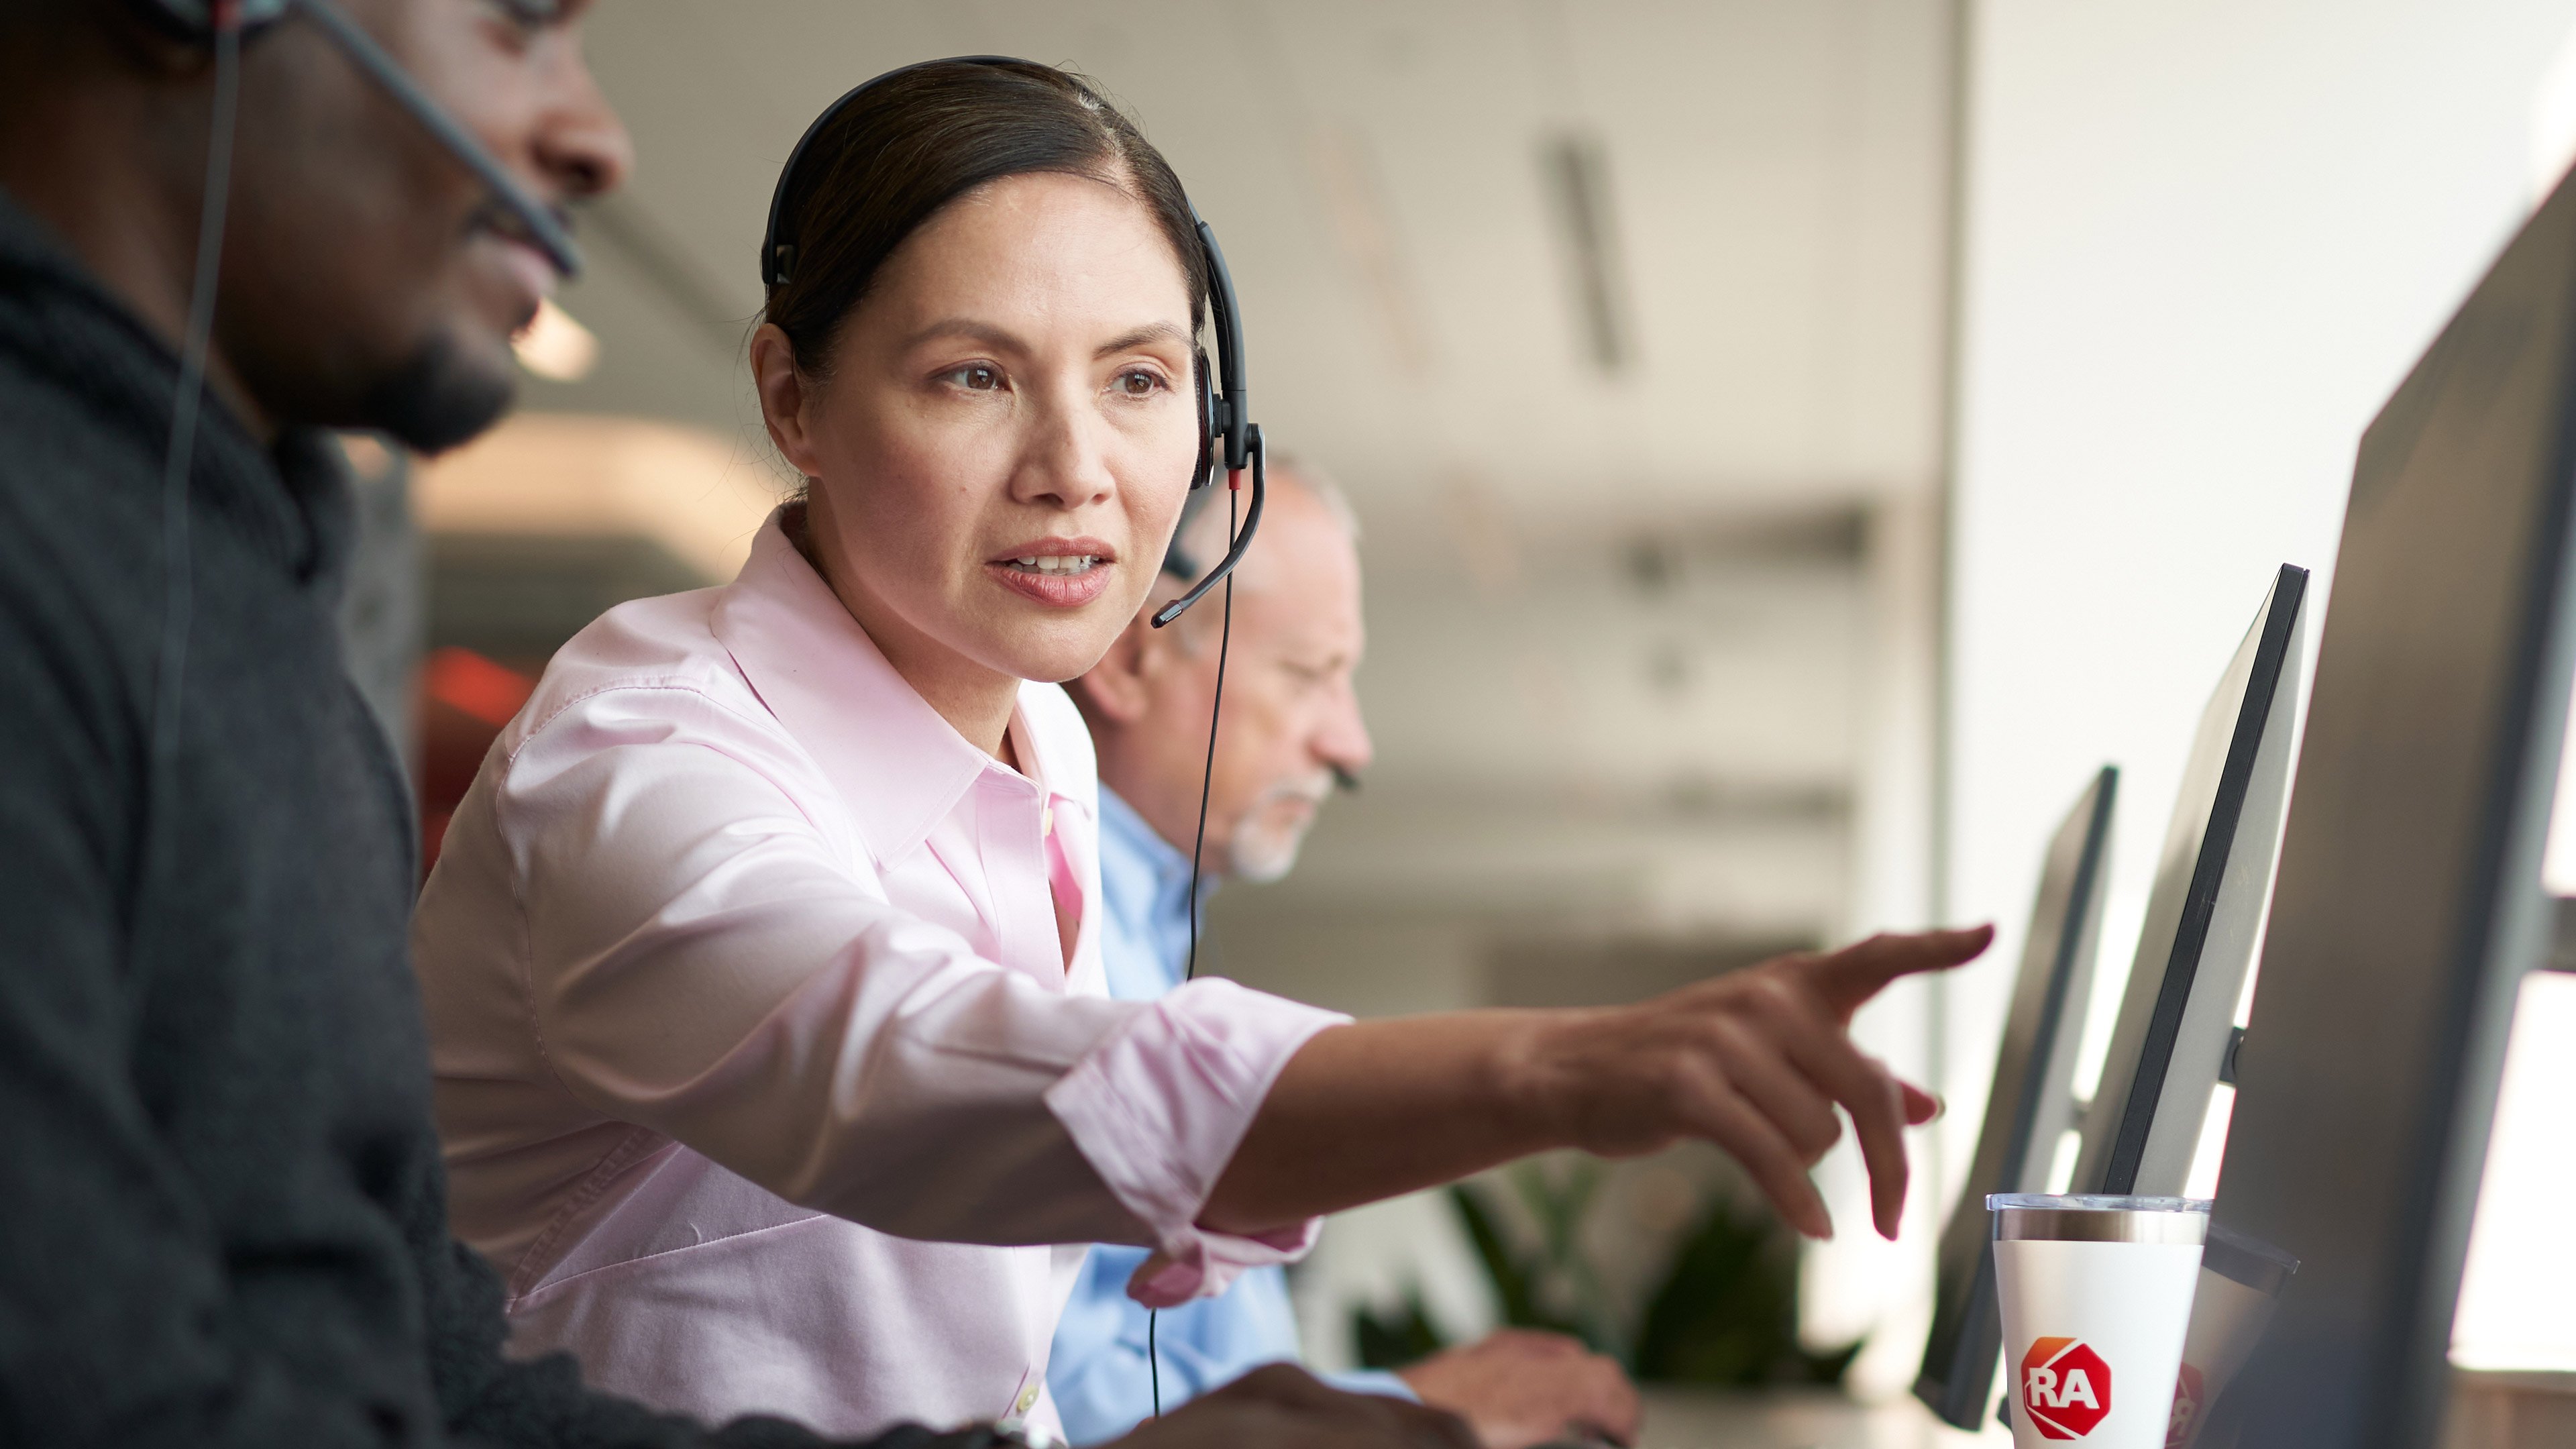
x,y
2096,1296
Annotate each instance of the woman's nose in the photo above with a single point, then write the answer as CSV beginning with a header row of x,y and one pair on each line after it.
x,y
1065,463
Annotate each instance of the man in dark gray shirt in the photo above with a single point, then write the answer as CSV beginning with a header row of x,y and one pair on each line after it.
x,y
225,1219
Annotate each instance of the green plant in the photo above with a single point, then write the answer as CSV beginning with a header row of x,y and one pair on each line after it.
x,y
1548,1287
1392,1340
1552,1286
1727,1312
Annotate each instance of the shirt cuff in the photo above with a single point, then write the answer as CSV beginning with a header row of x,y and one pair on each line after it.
x,y
1158,1109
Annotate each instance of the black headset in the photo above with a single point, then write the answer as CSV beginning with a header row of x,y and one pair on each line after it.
x,y
221,27
202,20
1225,417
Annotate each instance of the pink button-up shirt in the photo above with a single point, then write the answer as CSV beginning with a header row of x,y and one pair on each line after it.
x,y
752,1021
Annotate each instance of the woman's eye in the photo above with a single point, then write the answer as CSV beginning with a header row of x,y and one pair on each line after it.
x,y
1137,382
974,377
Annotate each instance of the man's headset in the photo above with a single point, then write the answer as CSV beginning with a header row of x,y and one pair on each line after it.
x,y
1225,415
221,27
204,21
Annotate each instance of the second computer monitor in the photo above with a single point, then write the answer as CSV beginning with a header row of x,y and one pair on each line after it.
x,y
2030,1107
2177,1017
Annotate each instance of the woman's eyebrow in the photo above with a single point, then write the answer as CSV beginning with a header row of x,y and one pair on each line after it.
x,y
1001,339
1151,332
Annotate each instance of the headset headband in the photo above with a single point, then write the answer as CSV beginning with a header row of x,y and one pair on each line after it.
x,y
778,258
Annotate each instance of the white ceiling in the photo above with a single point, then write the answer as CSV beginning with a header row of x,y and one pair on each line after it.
x,y
1776,178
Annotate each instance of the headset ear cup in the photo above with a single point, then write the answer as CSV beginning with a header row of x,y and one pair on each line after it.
x,y
1206,473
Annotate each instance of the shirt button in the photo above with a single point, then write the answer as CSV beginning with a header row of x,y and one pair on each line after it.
x,y
1028,1397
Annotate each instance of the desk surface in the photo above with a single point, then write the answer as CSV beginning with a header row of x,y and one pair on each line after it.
x,y
2488,1411
1797,1419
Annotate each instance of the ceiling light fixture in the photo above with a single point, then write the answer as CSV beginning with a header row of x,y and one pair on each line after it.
x,y
1575,168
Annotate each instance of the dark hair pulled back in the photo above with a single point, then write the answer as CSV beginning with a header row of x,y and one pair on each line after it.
x,y
917,140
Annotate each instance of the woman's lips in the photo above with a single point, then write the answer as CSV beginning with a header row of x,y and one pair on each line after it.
x,y
1057,590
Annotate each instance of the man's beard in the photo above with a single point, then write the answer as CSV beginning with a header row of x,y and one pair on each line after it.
x,y
440,397
1264,848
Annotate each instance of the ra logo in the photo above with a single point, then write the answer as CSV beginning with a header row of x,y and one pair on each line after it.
x,y
2189,1394
2065,1388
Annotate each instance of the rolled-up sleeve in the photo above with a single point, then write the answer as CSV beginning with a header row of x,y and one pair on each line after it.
x,y
711,957
1159,1107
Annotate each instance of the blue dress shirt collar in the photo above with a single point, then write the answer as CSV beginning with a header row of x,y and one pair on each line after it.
x,y
1145,887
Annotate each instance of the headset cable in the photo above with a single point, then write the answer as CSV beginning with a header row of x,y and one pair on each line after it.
x,y
177,581
1207,779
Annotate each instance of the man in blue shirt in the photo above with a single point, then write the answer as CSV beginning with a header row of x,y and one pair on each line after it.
x,y
1292,731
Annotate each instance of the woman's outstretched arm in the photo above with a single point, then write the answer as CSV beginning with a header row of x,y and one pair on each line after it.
x,y
1755,1061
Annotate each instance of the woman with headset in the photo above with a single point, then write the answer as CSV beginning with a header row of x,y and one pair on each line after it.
x,y
773,1054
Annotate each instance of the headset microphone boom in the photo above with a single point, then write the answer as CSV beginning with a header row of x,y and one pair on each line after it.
x,y
204,21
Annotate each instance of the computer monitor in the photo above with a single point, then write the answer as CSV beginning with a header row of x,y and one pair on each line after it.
x,y
2409,901
2170,1043
2030,1106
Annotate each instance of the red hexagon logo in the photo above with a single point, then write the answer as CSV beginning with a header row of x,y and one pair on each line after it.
x,y
2189,1400
2065,1388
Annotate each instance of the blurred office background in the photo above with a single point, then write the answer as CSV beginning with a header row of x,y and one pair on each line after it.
x,y
1796,444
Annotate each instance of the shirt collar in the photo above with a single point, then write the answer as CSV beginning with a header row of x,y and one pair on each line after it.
x,y
1145,881
896,761
1119,820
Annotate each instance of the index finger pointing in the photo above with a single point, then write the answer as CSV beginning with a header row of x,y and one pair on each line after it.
x,y
1874,1098
1851,976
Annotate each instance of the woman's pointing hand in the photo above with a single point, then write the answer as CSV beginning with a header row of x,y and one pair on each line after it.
x,y
1755,1061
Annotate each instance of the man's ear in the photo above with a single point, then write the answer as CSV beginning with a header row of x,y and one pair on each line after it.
x,y
1115,688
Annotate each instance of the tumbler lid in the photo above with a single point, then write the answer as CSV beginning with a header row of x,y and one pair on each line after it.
x,y
2098,1218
